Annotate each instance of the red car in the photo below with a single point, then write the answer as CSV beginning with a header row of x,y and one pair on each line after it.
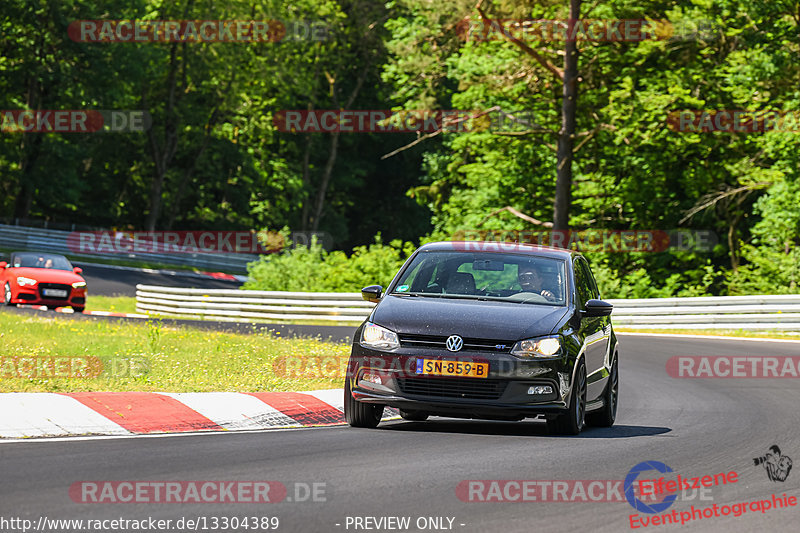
x,y
36,278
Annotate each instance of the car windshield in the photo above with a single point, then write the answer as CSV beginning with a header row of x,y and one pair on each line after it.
x,y
518,278
36,260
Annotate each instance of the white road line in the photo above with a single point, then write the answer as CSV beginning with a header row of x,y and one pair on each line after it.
x,y
159,435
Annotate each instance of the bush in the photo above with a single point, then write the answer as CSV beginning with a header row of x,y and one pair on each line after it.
x,y
772,258
312,269
642,282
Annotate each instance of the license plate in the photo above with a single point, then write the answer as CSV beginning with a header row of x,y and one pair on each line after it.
x,y
55,293
462,369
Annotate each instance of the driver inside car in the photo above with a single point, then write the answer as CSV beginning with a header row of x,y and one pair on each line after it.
x,y
530,279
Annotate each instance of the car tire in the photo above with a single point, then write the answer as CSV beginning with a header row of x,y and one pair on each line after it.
x,y
7,294
413,416
571,422
79,309
606,416
358,414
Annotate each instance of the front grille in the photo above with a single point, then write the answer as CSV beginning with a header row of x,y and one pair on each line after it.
x,y
60,286
473,344
472,388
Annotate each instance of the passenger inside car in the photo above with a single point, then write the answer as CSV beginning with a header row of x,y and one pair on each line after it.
x,y
460,283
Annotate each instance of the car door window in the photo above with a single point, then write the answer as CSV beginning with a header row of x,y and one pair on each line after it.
x,y
582,283
587,272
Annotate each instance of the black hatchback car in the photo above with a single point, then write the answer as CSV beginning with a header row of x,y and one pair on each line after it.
x,y
487,330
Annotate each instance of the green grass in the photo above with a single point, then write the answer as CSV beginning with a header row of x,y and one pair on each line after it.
x,y
116,304
165,358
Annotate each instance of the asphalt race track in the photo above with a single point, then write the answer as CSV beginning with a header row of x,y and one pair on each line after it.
x,y
109,281
410,469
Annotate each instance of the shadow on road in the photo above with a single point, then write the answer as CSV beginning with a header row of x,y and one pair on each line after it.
x,y
519,429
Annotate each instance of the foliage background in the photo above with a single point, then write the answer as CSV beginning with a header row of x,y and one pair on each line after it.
x,y
213,158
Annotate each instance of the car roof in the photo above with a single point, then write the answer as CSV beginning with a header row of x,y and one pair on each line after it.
x,y
500,247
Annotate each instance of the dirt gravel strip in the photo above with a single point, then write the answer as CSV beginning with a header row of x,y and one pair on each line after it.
x,y
69,311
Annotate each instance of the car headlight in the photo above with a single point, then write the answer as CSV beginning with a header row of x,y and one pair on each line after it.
x,y
376,336
23,281
543,348
79,285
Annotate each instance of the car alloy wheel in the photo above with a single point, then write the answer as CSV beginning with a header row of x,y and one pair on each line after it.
x,y
580,405
358,414
606,416
7,294
571,422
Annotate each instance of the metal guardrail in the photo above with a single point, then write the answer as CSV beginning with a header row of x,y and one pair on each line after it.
x,y
244,305
763,312
23,238
715,312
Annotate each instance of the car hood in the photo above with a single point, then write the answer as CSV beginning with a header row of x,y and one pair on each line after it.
x,y
46,275
468,318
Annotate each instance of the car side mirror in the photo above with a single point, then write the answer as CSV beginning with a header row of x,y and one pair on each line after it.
x,y
3,264
77,270
597,308
372,293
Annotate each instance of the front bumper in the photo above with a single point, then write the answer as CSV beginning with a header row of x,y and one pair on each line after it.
x,y
463,409
33,296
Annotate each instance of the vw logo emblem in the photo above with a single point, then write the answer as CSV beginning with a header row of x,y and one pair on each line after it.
x,y
454,343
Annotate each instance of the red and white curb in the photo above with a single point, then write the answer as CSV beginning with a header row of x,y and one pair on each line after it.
x,y
34,414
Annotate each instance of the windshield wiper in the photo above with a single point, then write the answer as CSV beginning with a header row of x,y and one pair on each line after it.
x,y
424,294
